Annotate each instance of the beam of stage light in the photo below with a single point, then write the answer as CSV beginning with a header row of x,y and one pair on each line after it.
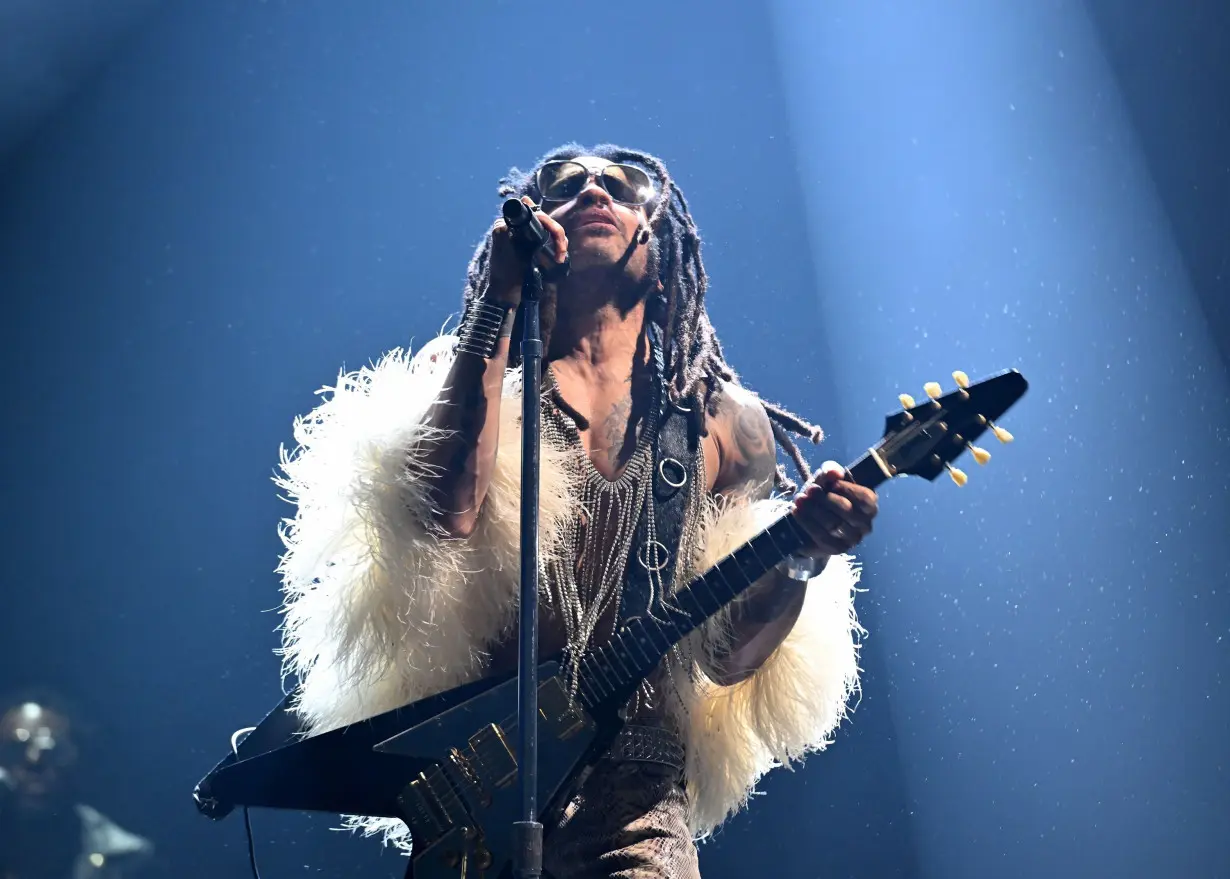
x,y
1058,631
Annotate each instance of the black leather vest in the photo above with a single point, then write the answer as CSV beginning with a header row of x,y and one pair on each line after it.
x,y
674,465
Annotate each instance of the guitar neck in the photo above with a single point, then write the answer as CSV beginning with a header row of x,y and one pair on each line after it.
x,y
611,674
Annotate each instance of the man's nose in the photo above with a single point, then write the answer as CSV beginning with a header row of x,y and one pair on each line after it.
x,y
593,194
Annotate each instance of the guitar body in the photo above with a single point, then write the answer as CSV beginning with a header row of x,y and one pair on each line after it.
x,y
461,810
447,765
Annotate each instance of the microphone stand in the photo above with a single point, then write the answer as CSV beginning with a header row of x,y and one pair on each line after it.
x,y
527,833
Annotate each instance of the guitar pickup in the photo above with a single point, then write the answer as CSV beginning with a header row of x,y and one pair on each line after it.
x,y
495,756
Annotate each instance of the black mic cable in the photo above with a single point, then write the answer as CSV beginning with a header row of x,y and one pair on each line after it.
x,y
236,738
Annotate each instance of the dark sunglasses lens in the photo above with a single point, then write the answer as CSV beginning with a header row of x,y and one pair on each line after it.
x,y
562,181
626,183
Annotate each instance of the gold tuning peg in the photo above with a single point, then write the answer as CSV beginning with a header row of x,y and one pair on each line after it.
x,y
980,455
933,389
1000,434
907,402
958,476
962,381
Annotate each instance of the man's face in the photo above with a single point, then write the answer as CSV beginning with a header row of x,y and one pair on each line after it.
x,y
601,231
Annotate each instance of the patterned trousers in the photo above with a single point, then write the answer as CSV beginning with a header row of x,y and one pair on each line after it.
x,y
629,821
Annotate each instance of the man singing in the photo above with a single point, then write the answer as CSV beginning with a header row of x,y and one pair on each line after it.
x,y
401,564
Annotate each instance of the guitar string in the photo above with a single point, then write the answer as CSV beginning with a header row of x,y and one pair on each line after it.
x,y
594,663
437,773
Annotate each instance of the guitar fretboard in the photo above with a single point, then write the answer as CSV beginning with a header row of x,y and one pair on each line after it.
x,y
610,674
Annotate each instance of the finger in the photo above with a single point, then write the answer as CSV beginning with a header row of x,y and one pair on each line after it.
x,y
844,527
559,238
830,472
825,544
821,520
861,496
856,520
820,528
831,500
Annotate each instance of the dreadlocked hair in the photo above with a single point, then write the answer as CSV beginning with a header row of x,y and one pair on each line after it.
x,y
695,367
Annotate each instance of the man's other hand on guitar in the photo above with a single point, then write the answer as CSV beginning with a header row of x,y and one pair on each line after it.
x,y
836,512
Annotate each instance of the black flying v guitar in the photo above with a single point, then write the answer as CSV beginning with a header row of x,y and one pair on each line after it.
x,y
447,765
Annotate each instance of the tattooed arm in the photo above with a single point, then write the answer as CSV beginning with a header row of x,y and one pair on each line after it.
x,y
459,455
766,613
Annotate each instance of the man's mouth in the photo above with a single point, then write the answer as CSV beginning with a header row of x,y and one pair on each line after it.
x,y
593,218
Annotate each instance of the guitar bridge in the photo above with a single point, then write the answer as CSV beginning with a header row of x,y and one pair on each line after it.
x,y
468,784
431,806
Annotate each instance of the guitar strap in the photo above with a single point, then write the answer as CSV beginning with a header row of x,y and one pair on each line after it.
x,y
652,560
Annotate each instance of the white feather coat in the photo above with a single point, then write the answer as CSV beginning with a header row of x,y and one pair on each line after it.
x,y
379,611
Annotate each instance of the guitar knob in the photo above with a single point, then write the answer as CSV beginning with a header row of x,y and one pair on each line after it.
x,y
933,389
958,476
980,455
907,402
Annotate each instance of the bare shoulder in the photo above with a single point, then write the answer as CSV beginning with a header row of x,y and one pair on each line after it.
x,y
746,450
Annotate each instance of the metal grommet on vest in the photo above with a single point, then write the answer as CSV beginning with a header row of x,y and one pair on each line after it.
x,y
655,553
672,472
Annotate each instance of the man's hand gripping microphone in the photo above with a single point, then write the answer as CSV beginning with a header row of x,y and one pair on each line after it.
x,y
530,237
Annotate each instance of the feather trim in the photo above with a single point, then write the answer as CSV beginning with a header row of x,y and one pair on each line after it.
x,y
381,609
793,703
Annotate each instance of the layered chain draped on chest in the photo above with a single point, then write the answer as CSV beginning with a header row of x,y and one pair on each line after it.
x,y
587,577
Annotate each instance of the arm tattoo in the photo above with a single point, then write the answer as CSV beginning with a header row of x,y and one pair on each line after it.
x,y
752,454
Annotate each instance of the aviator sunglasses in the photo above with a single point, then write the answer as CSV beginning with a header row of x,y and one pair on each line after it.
x,y
563,181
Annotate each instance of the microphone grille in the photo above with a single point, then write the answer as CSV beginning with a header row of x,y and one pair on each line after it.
x,y
516,212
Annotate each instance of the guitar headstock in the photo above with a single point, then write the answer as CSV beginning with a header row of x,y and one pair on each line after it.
x,y
925,438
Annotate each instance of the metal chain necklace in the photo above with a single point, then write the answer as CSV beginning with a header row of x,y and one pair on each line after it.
x,y
586,578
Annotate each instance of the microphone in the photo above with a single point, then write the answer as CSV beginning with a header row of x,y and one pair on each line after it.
x,y
531,236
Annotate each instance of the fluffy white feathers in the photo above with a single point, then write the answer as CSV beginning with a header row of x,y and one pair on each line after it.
x,y
380,609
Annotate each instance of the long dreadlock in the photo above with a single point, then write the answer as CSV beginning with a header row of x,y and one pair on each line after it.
x,y
694,362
